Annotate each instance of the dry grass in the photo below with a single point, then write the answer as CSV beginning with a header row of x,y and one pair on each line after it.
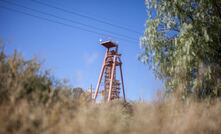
x,y
32,102
161,118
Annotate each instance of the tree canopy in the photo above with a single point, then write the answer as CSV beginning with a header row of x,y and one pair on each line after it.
x,y
182,44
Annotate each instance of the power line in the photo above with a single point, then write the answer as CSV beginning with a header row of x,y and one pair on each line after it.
x,y
86,16
72,21
61,23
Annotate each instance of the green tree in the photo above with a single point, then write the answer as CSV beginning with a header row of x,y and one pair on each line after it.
x,y
182,43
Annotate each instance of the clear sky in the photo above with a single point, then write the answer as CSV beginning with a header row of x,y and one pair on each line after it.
x,y
73,53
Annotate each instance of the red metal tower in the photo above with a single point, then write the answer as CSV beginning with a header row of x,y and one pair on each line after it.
x,y
108,74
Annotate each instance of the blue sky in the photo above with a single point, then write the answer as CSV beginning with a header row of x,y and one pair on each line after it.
x,y
75,54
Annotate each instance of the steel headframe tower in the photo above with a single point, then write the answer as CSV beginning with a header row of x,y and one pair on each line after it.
x,y
111,61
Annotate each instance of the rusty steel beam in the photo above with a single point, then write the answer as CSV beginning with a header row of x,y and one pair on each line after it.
x,y
111,81
100,77
122,82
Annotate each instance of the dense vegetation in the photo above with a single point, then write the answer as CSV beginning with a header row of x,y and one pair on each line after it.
x,y
182,43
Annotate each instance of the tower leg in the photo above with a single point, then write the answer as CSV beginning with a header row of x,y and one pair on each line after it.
x,y
112,76
100,77
122,81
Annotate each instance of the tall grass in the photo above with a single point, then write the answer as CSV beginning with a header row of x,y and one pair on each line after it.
x,y
32,101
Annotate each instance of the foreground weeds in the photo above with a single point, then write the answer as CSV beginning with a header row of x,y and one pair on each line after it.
x,y
31,101
115,118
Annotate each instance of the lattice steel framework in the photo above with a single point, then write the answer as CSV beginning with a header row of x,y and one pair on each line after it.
x,y
108,74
